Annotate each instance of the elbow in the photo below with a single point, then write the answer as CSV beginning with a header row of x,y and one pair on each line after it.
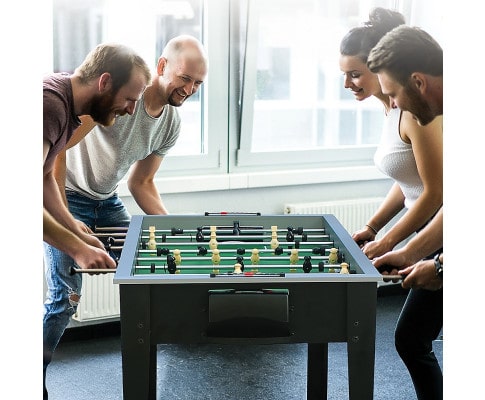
x,y
433,200
135,185
131,185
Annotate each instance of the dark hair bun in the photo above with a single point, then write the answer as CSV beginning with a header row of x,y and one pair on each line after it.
x,y
383,20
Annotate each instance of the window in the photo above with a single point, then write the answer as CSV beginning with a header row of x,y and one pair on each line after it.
x,y
87,23
274,97
295,110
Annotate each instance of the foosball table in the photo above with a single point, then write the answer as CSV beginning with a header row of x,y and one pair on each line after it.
x,y
246,279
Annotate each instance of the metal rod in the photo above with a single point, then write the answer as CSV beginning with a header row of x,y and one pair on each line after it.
x,y
92,271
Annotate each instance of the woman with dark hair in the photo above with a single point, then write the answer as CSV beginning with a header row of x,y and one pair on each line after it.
x,y
412,155
403,153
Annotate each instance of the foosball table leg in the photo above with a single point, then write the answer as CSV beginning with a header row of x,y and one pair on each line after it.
x,y
139,355
317,372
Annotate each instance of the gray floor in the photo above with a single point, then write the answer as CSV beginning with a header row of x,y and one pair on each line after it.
x,y
87,366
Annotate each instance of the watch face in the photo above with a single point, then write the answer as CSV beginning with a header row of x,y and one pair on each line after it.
x,y
438,266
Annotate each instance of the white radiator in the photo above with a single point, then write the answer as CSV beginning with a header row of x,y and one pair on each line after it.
x,y
100,298
352,214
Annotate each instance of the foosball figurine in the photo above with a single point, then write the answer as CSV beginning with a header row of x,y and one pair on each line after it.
x,y
255,256
216,258
177,256
274,239
213,241
294,256
333,256
344,268
237,268
152,244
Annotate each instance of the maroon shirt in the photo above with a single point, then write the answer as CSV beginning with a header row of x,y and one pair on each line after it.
x,y
60,119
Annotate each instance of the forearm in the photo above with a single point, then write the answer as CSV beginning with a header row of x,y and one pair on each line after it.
x,y
59,236
148,198
392,204
413,219
427,241
84,254
422,275
371,246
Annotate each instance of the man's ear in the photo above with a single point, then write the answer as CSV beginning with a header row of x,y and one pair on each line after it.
x,y
419,80
162,63
105,82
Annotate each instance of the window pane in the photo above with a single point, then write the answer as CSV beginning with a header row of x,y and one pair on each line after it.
x,y
298,101
175,18
79,25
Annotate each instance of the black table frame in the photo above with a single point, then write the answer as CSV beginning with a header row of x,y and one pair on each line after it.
x,y
323,312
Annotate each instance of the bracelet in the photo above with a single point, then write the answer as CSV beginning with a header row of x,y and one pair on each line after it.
x,y
372,229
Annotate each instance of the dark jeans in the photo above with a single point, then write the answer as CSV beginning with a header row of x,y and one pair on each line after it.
x,y
420,323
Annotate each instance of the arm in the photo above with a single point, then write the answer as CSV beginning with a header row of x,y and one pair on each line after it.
x,y
422,275
392,204
53,201
427,144
60,163
424,243
142,186
61,231
87,125
59,173
86,256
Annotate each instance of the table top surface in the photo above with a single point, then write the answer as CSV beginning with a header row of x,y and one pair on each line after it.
x,y
237,236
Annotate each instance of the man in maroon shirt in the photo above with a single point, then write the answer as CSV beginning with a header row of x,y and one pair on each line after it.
x,y
108,83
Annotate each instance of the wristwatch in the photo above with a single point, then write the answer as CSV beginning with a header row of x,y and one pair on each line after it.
x,y
438,266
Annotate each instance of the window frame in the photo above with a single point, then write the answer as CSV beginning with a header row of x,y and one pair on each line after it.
x,y
226,162
247,160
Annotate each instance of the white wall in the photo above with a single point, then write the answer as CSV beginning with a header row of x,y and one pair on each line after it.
x,y
266,200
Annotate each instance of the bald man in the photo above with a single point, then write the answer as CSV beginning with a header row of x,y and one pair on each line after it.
x,y
89,172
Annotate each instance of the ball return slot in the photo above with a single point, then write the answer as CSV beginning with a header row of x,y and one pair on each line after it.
x,y
248,313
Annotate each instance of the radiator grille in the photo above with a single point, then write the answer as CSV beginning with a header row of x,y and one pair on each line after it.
x,y
352,214
99,298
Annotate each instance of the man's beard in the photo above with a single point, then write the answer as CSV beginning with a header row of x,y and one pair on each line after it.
x,y
102,108
172,102
420,108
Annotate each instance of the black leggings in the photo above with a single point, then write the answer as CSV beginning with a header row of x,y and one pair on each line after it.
x,y
418,325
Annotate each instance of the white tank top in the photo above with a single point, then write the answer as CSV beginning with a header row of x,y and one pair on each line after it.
x,y
395,158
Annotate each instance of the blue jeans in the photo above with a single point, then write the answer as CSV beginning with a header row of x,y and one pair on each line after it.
x,y
64,289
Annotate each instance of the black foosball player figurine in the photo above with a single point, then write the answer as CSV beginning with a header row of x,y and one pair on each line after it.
x,y
110,242
171,265
236,229
199,236
307,264
290,236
